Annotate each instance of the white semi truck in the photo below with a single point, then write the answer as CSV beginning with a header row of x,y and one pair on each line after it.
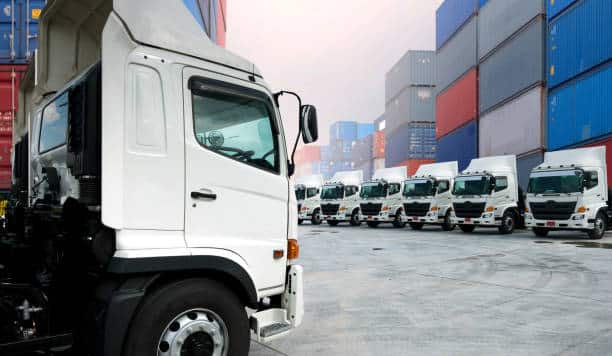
x,y
427,196
381,198
487,194
308,194
569,191
151,202
340,198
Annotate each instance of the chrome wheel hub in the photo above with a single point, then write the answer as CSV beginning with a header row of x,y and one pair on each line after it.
x,y
197,332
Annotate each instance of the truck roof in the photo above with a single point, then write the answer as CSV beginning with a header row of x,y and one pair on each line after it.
x,y
493,164
392,175
347,177
586,157
315,180
438,170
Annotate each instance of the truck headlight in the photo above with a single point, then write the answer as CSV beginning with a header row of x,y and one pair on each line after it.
x,y
342,209
487,215
578,217
386,208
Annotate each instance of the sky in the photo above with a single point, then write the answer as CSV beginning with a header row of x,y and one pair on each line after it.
x,y
335,54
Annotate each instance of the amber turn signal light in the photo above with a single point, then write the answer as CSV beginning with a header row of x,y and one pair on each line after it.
x,y
293,249
582,209
490,209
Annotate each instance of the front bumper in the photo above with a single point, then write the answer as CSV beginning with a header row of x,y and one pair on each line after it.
x,y
337,217
379,218
430,218
576,222
486,219
305,215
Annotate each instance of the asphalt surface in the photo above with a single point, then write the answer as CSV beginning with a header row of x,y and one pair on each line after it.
x,y
392,291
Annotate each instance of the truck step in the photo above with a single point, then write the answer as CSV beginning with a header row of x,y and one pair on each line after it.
x,y
270,324
274,329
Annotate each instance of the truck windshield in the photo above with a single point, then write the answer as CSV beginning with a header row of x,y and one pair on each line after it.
x,y
472,185
311,192
418,188
373,190
300,193
555,182
332,192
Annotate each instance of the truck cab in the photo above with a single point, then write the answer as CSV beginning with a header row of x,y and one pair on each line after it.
x,y
381,198
308,193
132,145
340,198
427,196
487,194
569,191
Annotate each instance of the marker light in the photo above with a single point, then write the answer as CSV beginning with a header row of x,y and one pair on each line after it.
x,y
490,209
293,249
582,209
434,208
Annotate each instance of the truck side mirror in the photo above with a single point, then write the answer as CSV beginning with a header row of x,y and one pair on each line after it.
x,y
308,123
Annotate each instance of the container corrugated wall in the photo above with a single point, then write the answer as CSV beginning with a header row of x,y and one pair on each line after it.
x,y
450,16
362,150
413,104
457,105
413,69
501,18
518,65
607,143
19,29
554,7
364,130
580,110
458,55
460,145
515,127
378,149
579,40
410,141
524,165
343,130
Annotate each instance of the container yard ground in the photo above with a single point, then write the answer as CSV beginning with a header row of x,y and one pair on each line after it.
x,y
392,291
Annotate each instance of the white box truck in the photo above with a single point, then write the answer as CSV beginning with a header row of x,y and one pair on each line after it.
x,y
151,202
487,194
427,196
381,198
308,194
340,198
569,191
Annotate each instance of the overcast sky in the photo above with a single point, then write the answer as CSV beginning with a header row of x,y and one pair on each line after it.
x,y
333,53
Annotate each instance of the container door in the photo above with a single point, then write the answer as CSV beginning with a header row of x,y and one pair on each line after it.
x,y
32,15
237,193
9,30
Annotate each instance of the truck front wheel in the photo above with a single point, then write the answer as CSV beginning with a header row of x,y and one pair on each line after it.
x,y
316,217
448,225
355,218
600,227
300,221
397,221
508,223
190,317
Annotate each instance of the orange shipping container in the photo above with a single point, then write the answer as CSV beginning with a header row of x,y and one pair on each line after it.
x,y
413,164
457,105
378,151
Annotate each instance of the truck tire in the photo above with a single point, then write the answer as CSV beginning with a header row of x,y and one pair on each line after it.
x,y
508,223
467,228
200,314
540,231
300,221
333,222
373,223
355,218
316,217
397,221
447,225
416,226
601,225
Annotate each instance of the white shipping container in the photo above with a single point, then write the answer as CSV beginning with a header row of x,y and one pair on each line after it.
x,y
515,128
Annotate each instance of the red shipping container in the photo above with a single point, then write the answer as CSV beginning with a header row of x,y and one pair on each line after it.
x,y
221,22
308,154
413,164
608,144
5,178
5,151
457,105
10,78
378,149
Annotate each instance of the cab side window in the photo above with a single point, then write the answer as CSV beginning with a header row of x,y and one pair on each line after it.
x,y
394,188
501,183
54,124
350,190
236,126
591,178
443,186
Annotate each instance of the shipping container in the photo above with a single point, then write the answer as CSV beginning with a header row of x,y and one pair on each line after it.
x,y
343,130
221,22
524,165
457,56
19,29
450,16
379,163
457,105
607,143
5,151
415,68
10,79
315,167
308,154
211,16
460,145
326,153
413,165
378,149
362,150
364,130
380,123
410,141
482,3
5,179
500,19
555,7
342,150
367,168
579,40
580,110
514,128
412,104
511,69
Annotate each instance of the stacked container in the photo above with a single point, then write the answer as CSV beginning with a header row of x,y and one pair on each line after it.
x,y
211,16
512,89
411,141
457,81
579,73
342,138
369,153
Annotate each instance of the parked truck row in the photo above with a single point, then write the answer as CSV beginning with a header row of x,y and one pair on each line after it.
x,y
568,191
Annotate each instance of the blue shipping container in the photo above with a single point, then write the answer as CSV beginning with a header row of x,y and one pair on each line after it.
x,y
205,13
450,16
579,40
483,3
326,153
461,145
362,151
580,110
410,141
364,130
343,130
19,29
555,7
525,164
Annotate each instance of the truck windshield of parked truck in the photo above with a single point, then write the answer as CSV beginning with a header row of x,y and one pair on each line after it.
x,y
373,190
332,192
300,192
311,192
472,185
556,182
418,187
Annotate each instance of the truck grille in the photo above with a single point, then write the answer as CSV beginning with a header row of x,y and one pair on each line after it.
x,y
370,209
552,210
330,209
416,209
468,209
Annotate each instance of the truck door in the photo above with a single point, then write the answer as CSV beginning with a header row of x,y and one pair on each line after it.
x,y
237,190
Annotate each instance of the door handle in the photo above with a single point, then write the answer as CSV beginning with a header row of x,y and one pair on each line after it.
x,y
200,195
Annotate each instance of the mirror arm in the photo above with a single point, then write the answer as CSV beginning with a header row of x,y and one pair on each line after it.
x,y
297,139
